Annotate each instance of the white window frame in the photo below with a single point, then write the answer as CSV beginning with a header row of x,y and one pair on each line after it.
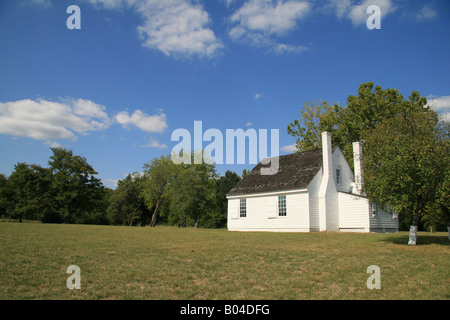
x,y
282,209
338,177
243,208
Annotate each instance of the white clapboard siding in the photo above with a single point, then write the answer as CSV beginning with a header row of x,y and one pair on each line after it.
x,y
233,209
381,221
353,213
262,214
272,209
313,191
347,175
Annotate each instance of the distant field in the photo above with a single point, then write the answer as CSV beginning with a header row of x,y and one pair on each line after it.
x,y
171,263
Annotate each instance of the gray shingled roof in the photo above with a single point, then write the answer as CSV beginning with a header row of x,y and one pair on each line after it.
x,y
295,172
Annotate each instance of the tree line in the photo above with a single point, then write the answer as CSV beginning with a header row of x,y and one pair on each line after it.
x,y
68,191
406,150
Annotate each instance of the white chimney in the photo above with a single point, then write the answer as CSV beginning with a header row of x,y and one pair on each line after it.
x,y
327,155
328,217
357,159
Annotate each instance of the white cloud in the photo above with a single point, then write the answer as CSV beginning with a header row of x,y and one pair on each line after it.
x,y
427,13
269,17
65,120
113,4
249,124
53,144
41,3
289,148
257,95
48,120
441,105
154,124
341,7
96,112
258,22
358,13
228,2
111,183
178,28
155,144
281,48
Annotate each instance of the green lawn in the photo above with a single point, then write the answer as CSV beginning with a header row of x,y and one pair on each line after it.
x,y
172,263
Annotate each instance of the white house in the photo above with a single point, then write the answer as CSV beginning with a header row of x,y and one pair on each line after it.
x,y
312,191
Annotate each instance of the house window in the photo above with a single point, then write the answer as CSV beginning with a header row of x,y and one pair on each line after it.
x,y
282,206
243,208
339,176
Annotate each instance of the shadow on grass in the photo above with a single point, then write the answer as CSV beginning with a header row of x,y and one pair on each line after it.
x,y
422,239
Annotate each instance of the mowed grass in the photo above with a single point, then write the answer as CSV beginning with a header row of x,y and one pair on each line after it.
x,y
171,263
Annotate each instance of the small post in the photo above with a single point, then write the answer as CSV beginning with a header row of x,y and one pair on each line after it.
x,y
412,235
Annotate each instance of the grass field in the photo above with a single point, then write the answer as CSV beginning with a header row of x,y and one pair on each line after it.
x,y
171,263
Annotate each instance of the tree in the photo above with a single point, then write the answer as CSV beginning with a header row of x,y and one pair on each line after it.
x,y
223,185
157,176
406,163
363,113
192,193
437,214
127,203
78,195
4,197
28,192
315,119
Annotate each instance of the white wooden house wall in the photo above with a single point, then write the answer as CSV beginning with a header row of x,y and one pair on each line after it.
x,y
262,213
381,221
339,162
353,213
313,192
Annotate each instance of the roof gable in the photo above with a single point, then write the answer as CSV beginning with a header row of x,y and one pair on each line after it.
x,y
295,172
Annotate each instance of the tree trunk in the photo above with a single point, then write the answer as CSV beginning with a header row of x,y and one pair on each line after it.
x,y
412,235
415,225
155,212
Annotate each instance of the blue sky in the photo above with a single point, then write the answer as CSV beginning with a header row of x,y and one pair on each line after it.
x,y
115,90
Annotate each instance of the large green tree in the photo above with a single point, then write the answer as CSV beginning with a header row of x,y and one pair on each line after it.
x,y
158,174
362,113
365,111
78,194
193,193
437,213
406,164
314,119
223,185
4,195
127,203
28,192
